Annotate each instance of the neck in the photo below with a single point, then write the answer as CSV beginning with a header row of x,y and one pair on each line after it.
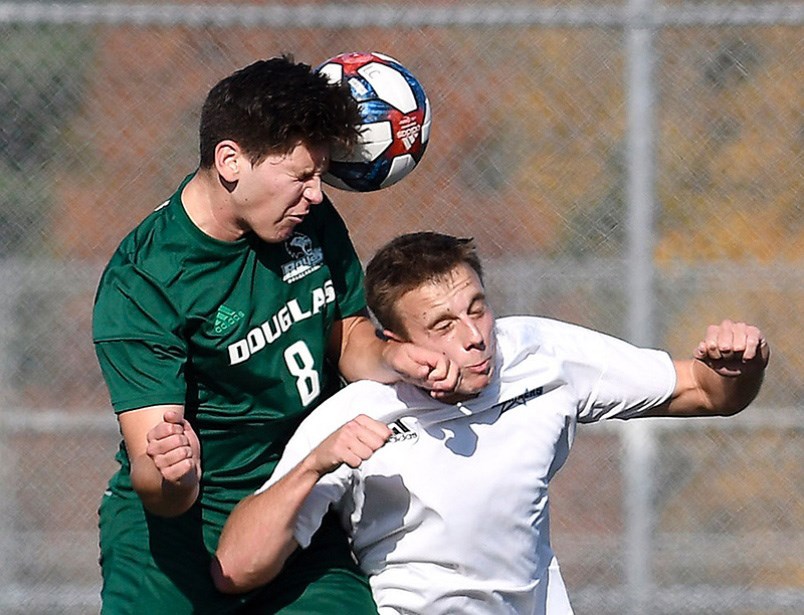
x,y
457,398
210,206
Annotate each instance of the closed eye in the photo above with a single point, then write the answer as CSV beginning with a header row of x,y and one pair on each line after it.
x,y
478,307
443,326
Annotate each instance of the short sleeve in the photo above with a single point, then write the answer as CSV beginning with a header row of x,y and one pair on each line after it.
x,y
138,340
608,377
631,381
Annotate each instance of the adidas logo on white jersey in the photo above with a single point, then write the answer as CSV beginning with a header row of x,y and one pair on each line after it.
x,y
401,432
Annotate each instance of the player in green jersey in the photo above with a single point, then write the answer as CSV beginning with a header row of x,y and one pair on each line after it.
x,y
220,322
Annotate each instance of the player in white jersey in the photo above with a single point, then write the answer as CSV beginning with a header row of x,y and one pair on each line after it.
x,y
446,500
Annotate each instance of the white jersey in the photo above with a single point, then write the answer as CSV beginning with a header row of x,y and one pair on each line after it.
x,y
451,514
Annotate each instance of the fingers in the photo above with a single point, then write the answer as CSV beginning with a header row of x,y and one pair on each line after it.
x,y
721,340
172,445
730,338
171,416
166,433
351,444
370,425
732,344
422,367
443,378
362,437
175,464
755,345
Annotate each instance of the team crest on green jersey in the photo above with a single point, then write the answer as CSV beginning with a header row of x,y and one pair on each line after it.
x,y
306,258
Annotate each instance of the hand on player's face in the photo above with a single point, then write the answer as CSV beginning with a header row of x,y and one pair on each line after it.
x,y
732,348
450,317
175,449
423,367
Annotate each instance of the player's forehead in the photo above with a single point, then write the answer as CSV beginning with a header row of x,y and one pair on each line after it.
x,y
301,157
450,293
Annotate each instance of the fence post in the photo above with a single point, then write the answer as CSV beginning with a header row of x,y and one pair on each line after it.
x,y
638,437
8,300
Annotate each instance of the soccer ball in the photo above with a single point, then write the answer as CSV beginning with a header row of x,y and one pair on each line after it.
x,y
396,121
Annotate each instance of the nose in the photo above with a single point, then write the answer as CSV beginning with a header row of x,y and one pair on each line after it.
x,y
312,191
472,337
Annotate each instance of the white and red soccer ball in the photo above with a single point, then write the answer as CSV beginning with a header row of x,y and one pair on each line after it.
x,y
396,121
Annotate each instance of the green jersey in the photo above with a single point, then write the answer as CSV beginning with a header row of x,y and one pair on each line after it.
x,y
236,332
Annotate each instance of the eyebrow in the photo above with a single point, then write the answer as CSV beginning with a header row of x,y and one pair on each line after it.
x,y
446,314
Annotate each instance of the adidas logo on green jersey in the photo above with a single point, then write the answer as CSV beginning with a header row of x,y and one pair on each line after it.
x,y
225,318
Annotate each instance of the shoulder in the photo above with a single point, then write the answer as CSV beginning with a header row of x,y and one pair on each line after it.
x,y
383,402
145,246
373,399
547,332
521,333
147,261
559,341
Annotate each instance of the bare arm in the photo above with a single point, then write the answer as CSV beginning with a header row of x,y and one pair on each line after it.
x,y
724,376
165,458
362,355
258,536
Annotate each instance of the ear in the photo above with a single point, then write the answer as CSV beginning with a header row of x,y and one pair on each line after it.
x,y
228,160
393,336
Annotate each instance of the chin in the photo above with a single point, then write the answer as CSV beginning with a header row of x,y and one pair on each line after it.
x,y
475,387
275,236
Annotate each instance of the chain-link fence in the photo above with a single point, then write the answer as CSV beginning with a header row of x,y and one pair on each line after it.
x,y
633,166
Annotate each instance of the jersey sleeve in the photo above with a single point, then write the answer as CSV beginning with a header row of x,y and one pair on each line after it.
x,y
629,380
138,340
343,262
610,377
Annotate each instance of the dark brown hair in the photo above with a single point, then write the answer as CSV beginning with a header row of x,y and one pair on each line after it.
x,y
408,262
271,105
